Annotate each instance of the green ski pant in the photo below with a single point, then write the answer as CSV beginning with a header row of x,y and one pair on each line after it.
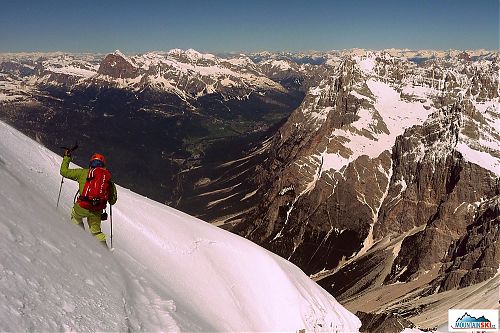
x,y
93,219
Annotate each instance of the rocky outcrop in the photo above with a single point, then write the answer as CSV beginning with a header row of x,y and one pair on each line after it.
x,y
382,322
431,186
117,66
17,68
308,224
475,256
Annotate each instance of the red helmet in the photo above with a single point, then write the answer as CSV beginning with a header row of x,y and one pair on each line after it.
x,y
98,157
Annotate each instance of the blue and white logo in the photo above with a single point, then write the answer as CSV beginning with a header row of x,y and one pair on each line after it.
x,y
469,320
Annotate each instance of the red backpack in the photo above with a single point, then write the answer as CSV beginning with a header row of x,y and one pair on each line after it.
x,y
95,192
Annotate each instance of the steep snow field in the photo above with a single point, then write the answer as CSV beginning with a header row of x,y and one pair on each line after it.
x,y
169,271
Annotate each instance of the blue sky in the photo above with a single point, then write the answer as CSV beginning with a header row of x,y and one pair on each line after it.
x,y
225,26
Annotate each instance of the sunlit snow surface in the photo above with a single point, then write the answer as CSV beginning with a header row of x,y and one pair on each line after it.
x,y
169,271
484,150
396,114
480,158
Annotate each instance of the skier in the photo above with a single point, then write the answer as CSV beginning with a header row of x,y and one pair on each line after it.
x,y
96,183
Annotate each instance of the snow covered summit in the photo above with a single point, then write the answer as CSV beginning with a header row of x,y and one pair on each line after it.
x,y
170,271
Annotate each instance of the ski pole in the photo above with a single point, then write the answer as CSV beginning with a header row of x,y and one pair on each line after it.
x,y
59,196
111,224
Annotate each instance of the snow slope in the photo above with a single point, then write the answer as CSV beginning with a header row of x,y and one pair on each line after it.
x,y
169,271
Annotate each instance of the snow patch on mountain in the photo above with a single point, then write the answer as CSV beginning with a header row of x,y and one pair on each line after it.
x,y
281,64
366,136
367,63
192,53
72,70
479,138
69,65
242,60
480,158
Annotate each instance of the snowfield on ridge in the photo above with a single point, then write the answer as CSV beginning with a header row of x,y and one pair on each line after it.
x,y
169,271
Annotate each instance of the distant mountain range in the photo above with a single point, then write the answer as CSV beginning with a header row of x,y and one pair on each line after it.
x,y
376,172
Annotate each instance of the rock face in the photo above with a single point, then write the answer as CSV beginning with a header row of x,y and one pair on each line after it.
x,y
437,194
475,256
382,322
16,68
287,213
377,177
117,66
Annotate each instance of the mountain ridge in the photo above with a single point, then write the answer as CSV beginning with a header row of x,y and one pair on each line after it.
x,y
377,150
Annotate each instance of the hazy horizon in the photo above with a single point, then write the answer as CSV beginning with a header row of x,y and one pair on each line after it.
x,y
247,52
232,27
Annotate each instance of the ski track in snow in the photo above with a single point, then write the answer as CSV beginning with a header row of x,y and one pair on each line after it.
x,y
169,271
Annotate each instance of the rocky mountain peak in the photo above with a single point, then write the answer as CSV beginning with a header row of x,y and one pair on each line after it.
x,y
120,54
117,65
193,57
379,174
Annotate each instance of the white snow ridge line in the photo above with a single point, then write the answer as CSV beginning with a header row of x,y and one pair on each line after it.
x,y
169,271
